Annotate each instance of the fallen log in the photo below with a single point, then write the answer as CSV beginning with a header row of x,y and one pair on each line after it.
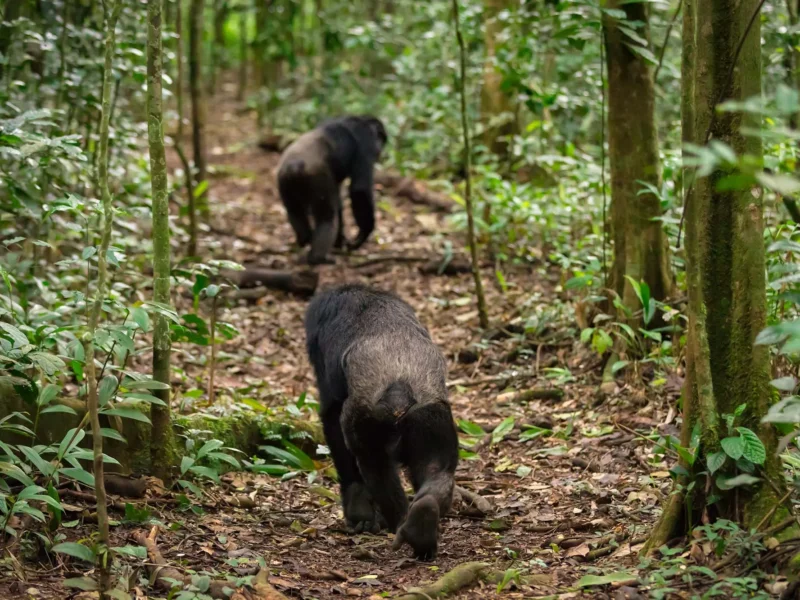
x,y
161,574
532,394
300,283
414,191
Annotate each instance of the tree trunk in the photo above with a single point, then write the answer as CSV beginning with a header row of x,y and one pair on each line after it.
x,y
161,443
641,248
10,14
498,112
220,9
198,102
104,560
724,272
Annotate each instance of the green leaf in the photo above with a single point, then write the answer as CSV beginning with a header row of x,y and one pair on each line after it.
x,y
72,438
619,365
75,550
201,188
715,461
733,447
502,430
186,463
283,456
209,446
47,394
58,408
205,472
133,551
645,53
754,449
49,363
112,434
16,336
42,465
141,318
471,428
728,483
79,475
785,185
127,413
86,584
106,389
616,577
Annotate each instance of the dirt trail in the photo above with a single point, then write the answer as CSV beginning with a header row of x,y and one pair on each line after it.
x,y
594,478
587,475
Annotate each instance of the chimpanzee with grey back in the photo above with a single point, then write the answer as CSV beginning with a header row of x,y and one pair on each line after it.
x,y
310,174
383,401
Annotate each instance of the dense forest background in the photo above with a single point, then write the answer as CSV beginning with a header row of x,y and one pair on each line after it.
x,y
591,205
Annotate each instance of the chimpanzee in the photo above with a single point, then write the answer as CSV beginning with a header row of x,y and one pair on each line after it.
x,y
383,401
311,171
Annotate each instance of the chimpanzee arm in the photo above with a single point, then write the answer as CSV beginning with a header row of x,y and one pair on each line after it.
x,y
361,189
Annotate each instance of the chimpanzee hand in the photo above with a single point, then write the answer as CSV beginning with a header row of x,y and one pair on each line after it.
x,y
420,530
359,511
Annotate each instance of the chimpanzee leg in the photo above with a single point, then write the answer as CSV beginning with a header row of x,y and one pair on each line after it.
x,y
340,239
368,439
429,447
325,208
297,211
356,501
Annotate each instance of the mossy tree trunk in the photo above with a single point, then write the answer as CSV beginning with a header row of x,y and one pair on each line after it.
x,y
498,111
641,248
112,10
160,449
198,103
725,271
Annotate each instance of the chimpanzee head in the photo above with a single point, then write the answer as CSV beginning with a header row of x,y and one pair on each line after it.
x,y
378,131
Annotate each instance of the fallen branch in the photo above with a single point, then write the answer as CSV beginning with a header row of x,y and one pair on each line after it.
x,y
301,283
460,577
494,379
474,504
161,572
455,266
532,394
276,142
414,191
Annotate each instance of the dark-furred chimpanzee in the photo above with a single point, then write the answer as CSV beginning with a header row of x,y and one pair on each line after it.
x,y
383,401
311,171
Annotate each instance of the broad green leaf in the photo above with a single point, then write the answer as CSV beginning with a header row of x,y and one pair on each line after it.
x,y
728,483
209,446
75,550
58,408
133,551
49,363
86,584
112,434
72,438
141,318
502,430
127,413
186,463
106,389
79,475
754,449
205,472
715,461
147,384
470,428
47,394
42,465
733,447
16,336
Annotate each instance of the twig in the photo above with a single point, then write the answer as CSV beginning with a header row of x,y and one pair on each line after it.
x,y
666,40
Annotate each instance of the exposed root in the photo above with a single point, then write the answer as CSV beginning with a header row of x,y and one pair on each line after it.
x,y
474,504
462,576
161,574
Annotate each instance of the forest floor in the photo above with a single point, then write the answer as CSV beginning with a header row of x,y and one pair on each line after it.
x,y
556,498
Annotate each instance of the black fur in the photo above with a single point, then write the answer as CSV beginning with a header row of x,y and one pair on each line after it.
x,y
383,401
311,172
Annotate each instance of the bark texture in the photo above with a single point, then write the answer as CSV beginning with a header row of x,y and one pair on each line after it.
x,y
159,415
498,112
724,266
641,248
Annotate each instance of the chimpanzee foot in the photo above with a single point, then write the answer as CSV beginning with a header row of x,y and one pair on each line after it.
x,y
359,512
420,530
